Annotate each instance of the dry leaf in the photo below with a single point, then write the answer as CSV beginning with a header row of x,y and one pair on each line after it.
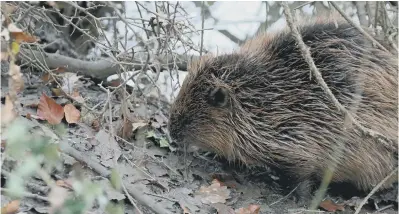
x,y
95,125
15,48
7,112
72,115
251,209
5,33
184,208
138,124
11,207
12,28
22,37
76,96
9,8
50,110
46,78
4,56
57,92
52,3
66,184
115,83
3,145
127,129
69,82
59,70
222,208
16,75
215,193
331,206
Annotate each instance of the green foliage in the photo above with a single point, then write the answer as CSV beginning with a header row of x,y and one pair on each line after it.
x,y
161,140
35,152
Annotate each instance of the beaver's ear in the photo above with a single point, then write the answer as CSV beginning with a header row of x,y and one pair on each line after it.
x,y
218,97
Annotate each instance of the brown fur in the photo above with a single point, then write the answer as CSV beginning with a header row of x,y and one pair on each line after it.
x,y
270,112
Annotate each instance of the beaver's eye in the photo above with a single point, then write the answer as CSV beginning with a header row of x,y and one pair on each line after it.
x,y
218,97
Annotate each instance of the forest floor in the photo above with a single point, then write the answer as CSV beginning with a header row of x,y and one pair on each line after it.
x,y
156,177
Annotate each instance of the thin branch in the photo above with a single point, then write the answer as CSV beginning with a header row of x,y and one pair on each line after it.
x,y
375,190
357,26
202,27
100,69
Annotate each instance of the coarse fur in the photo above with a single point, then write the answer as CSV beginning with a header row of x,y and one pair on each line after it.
x,y
261,105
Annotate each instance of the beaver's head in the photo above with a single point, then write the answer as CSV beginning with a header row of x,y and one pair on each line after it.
x,y
211,110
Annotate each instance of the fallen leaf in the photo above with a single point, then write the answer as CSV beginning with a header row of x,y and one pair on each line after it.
x,y
222,208
11,207
22,37
52,3
9,8
16,75
57,92
185,209
76,96
251,209
114,83
72,115
115,179
50,110
15,48
13,28
163,142
5,33
46,78
138,124
59,70
108,149
331,206
7,112
69,82
215,193
3,145
4,56
95,125
66,184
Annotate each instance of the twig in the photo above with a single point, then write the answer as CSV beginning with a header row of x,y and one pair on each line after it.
x,y
375,190
284,196
202,27
160,196
302,5
100,69
357,26
28,195
130,198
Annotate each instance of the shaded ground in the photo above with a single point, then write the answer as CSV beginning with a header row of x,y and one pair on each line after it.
x,y
170,180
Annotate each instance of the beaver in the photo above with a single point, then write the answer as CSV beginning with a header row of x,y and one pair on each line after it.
x,y
260,105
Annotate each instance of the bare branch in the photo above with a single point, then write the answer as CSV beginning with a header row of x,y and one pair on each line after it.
x,y
99,69
358,27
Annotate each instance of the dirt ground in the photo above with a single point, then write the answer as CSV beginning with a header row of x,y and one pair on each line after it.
x,y
157,177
